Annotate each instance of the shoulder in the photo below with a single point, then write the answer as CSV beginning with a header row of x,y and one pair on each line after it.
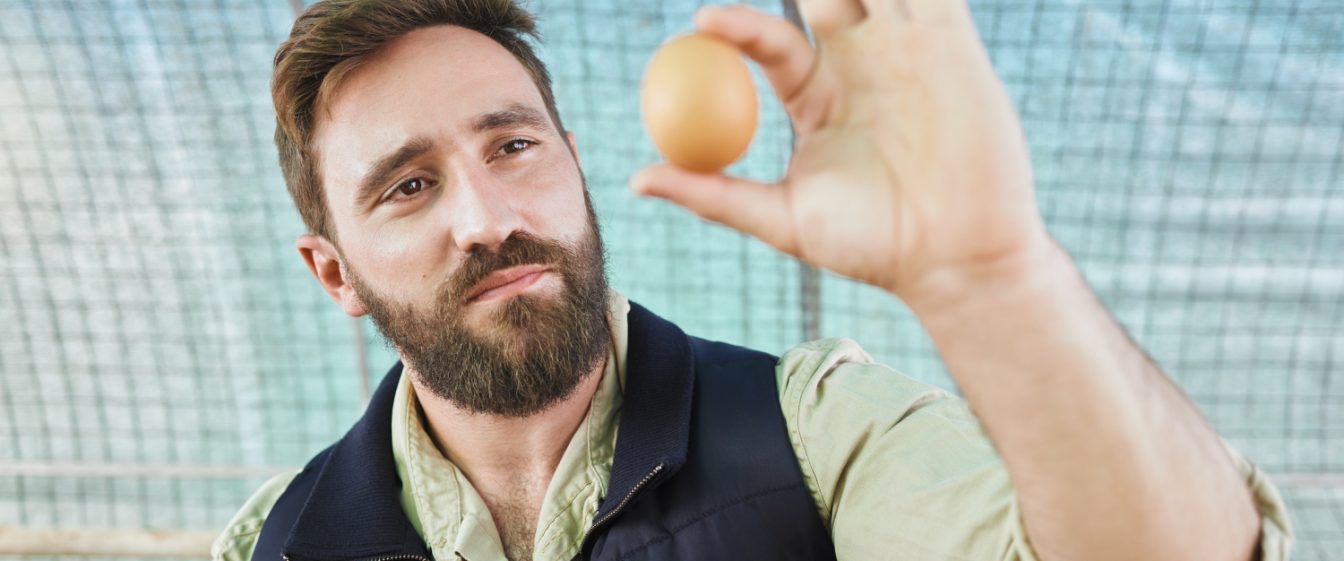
x,y
893,463
711,353
239,538
837,370
845,413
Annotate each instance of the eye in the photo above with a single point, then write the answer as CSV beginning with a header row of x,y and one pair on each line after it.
x,y
407,189
411,186
514,146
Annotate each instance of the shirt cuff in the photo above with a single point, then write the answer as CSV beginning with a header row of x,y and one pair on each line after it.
x,y
1276,530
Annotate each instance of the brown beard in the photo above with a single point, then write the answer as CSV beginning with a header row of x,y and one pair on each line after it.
x,y
532,350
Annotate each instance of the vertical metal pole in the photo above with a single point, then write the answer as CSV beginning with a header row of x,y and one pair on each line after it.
x,y
362,361
809,278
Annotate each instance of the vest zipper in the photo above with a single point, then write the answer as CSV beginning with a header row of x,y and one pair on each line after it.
x,y
398,557
621,506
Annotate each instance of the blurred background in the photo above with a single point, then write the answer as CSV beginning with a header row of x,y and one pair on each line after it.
x,y
163,350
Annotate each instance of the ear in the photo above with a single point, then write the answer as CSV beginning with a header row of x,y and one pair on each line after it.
x,y
325,263
573,146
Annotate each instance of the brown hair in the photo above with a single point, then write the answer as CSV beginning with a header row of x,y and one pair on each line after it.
x,y
333,37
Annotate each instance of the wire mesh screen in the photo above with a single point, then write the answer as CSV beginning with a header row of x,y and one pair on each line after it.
x,y
163,349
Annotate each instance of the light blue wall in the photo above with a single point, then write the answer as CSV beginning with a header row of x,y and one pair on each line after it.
x,y
153,309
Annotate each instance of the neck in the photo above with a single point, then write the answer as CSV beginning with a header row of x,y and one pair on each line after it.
x,y
493,448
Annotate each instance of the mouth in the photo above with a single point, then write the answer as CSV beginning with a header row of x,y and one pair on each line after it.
x,y
507,282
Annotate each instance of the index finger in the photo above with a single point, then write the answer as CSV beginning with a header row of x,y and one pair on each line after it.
x,y
787,59
824,17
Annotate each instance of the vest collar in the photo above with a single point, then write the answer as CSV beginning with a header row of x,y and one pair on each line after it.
x,y
655,421
354,510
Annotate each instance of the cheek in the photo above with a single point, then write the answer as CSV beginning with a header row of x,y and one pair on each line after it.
x,y
563,210
399,267
556,206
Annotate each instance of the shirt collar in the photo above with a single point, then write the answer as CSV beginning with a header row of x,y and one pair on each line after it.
x,y
450,516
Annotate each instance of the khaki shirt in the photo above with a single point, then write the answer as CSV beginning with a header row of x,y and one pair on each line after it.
x,y
899,470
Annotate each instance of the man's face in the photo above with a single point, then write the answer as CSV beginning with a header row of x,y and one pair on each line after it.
x,y
444,177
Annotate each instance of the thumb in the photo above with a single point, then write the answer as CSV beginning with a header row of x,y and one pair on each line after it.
x,y
756,209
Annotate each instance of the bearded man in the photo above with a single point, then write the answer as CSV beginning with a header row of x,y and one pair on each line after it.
x,y
538,414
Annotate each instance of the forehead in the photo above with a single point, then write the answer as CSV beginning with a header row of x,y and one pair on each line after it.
x,y
429,82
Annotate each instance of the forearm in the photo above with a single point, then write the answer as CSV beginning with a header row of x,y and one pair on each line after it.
x,y
1108,457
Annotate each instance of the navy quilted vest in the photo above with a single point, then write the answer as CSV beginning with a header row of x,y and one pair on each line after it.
x,y
703,470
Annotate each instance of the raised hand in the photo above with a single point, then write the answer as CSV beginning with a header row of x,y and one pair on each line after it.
x,y
910,171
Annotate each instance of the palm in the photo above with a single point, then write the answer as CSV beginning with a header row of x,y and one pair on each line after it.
x,y
909,157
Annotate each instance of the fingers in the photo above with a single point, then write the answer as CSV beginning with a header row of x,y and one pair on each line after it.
x,y
935,10
756,209
781,49
825,17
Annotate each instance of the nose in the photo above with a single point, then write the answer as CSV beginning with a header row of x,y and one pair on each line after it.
x,y
481,214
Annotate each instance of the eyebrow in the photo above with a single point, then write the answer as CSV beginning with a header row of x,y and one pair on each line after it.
x,y
372,184
513,115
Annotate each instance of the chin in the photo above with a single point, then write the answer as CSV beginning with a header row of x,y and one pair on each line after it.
x,y
517,312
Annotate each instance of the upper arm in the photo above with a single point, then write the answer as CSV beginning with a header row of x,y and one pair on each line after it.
x,y
899,469
903,470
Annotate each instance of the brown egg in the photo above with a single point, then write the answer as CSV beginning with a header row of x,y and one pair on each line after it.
x,y
699,103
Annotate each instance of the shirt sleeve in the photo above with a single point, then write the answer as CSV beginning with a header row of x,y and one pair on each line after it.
x,y
239,538
902,470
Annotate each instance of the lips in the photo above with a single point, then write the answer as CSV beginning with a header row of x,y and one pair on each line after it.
x,y
503,277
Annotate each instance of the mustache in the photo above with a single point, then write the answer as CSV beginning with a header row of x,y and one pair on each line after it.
x,y
519,249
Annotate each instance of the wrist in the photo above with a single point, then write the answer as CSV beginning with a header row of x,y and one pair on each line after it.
x,y
1034,271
